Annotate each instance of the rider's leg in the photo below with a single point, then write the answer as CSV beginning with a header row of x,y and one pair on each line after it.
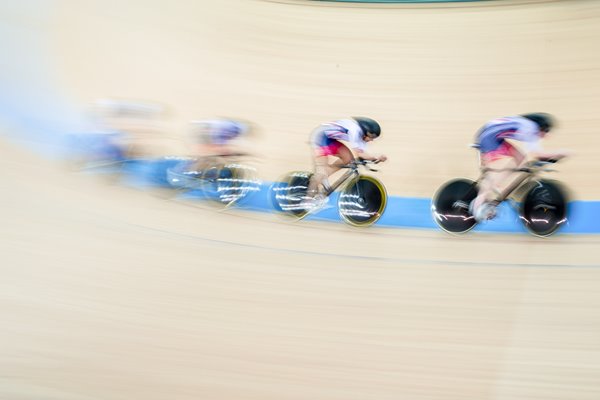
x,y
343,156
492,185
205,154
502,163
324,169
321,173
506,179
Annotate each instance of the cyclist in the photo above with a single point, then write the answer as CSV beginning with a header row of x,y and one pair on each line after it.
x,y
326,142
506,144
213,138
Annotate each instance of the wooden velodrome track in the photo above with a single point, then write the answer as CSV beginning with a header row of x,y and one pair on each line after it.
x,y
111,293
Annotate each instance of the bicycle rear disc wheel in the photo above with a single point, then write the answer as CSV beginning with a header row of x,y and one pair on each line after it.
x,y
544,209
363,201
290,193
450,206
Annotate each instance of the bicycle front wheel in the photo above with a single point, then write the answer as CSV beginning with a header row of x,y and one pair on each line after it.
x,y
228,184
363,201
544,209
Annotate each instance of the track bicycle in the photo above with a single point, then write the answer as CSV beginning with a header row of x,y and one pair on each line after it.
x,y
541,204
362,199
218,178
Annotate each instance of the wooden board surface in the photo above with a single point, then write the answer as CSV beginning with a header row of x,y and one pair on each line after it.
x,y
111,293
432,75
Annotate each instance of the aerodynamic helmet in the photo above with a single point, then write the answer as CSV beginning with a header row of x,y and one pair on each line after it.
x,y
543,120
369,126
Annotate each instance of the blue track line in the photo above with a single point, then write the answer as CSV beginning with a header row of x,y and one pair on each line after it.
x,y
404,212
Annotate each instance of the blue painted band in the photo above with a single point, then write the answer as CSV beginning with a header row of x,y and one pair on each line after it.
x,y
405,212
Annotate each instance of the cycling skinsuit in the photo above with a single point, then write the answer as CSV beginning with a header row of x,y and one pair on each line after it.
x,y
491,137
326,137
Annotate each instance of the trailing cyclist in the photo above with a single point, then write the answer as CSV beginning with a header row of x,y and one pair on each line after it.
x,y
214,138
330,154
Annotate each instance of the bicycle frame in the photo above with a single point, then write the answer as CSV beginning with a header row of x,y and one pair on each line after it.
x,y
290,195
352,172
527,174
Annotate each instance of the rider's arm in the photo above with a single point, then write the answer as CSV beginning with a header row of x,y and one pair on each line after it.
x,y
359,146
549,155
529,138
366,156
